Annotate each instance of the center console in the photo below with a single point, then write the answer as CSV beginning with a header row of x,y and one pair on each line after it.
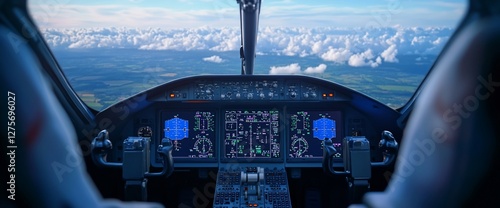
x,y
252,186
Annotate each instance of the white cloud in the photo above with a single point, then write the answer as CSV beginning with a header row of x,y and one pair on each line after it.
x,y
377,62
214,59
361,59
316,47
295,68
290,69
389,54
364,59
338,55
316,70
417,40
437,41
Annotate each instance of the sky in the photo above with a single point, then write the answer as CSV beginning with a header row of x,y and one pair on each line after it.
x,y
352,32
169,14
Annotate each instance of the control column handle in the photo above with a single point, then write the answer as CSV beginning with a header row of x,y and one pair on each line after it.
x,y
100,147
165,151
329,152
389,147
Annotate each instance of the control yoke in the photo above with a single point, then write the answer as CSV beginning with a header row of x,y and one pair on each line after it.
x,y
101,146
387,144
357,164
389,148
136,162
165,151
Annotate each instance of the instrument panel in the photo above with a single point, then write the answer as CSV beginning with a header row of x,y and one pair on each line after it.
x,y
248,119
250,135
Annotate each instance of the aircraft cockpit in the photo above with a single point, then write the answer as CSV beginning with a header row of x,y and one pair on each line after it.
x,y
251,103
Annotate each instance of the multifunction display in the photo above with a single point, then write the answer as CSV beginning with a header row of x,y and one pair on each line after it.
x,y
251,134
308,130
192,133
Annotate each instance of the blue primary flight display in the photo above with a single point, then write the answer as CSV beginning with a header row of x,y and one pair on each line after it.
x,y
324,128
176,129
308,130
192,133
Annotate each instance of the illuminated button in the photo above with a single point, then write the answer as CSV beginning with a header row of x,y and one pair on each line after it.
x,y
172,95
330,95
324,95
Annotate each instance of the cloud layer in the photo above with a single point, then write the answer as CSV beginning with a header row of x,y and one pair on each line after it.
x,y
356,47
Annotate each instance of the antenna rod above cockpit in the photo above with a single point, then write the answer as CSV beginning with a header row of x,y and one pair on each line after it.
x,y
249,25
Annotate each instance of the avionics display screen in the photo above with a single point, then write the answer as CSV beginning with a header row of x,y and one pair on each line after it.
x,y
251,134
192,133
308,130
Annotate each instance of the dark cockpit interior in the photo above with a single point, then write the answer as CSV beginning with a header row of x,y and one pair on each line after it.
x,y
255,140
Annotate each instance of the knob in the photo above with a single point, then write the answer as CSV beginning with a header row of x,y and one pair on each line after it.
x,y
271,94
250,95
209,91
261,95
222,96
238,95
306,95
313,95
275,85
293,94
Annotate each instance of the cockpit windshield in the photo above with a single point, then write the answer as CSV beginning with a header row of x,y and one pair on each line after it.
x,y
110,50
